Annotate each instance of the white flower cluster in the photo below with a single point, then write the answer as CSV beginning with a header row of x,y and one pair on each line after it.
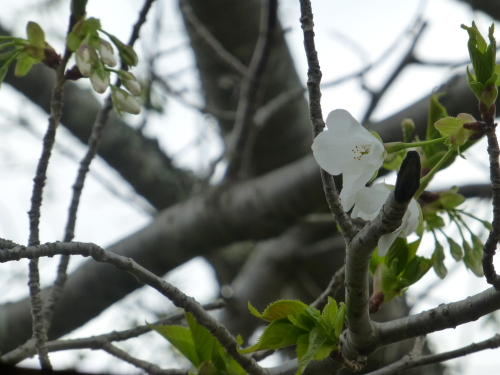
x,y
349,149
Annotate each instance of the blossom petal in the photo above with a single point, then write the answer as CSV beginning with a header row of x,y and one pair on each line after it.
x,y
370,200
385,242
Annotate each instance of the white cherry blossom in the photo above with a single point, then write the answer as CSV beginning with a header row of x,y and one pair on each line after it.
x,y
348,148
367,204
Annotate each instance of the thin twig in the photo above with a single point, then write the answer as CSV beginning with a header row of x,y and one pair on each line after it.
x,y
39,333
93,143
95,342
144,276
205,109
348,229
203,33
412,361
335,284
491,243
409,58
240,145
149,367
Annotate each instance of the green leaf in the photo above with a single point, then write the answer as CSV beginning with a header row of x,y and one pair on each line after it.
x,y
455,249
434,221
73,41
181,339
447,126
438,261
497,72
316,340
375,260
416,268
278,334
397,255
203,340
91,25
36,36
477,244
393,161
436,112
330,312
413,247
207,368
36,53
338,324
472,260
487,224
23,65
305,320
279,309
450,199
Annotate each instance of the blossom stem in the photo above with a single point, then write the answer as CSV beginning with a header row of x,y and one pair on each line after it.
x,y
424,181
398,146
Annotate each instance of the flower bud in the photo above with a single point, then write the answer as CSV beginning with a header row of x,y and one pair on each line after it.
x,y
100,79
127,53
130,82
106,51
124,102
85,59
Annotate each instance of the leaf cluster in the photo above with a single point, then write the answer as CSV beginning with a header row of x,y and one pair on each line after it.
x,y
398,269
316,334
486,79
27,52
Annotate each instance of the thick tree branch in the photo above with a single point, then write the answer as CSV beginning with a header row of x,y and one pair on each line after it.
x,y
442,317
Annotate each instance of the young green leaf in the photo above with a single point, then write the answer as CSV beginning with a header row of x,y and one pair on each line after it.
x,y
23,65
438,261
329,312
338,324
304,321
416,268
315,341
455,249
450,199
279,309
203,340
398,255
472,260
181,339
36,36
278,334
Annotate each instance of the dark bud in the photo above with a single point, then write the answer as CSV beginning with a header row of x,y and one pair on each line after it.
x,y
487,114
73,74
408,180
479,127
376,300
428,196
52,59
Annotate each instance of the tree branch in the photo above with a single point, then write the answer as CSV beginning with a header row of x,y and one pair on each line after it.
x,y
348,229
95,342
241,142
144,276
442,317
491,243
412,361
149,367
